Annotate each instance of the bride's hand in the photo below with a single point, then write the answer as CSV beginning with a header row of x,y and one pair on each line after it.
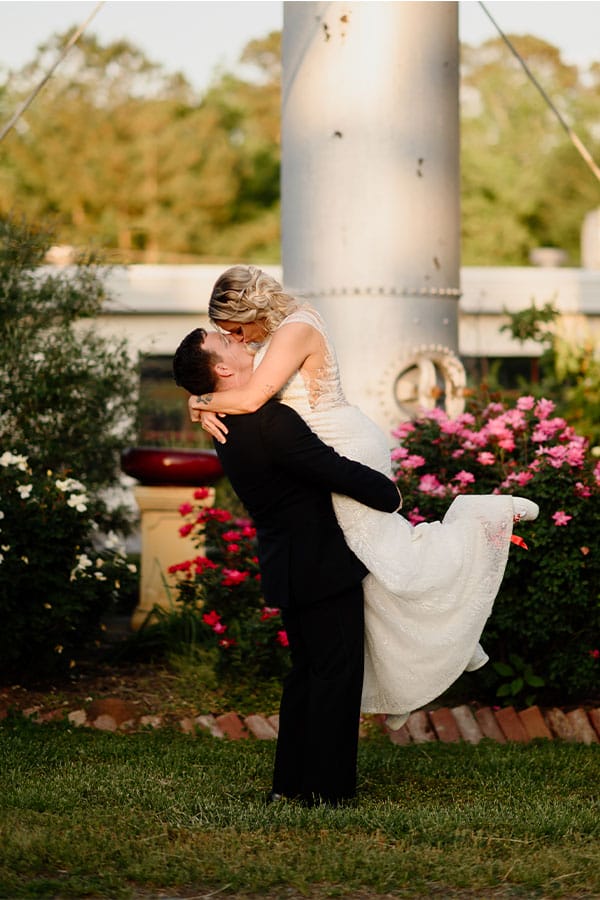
x,y
212,424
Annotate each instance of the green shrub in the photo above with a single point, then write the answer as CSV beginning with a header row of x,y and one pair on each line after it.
x,y
547,613
55,584
569,370
219,615
68,396
68,405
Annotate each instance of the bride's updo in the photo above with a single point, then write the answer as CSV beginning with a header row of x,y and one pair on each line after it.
x,y
246,294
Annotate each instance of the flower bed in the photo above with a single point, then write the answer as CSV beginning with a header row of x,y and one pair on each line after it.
x,y
544,630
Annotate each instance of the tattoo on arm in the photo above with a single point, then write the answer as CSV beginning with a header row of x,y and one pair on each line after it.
x,y
204,399
269,390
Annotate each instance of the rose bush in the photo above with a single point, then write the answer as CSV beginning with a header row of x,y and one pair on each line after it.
x,y
57,578
218,595
548,609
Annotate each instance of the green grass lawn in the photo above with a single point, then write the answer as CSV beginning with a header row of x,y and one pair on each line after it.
x,y
162,814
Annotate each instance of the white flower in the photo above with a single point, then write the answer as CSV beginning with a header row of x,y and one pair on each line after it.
x,y
69,484
1,558
24,490
5,547
25,559
100,576
78,501
83,563
11,459
113,542
132,567
1,514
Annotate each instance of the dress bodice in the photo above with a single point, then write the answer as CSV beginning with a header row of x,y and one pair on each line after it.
x,y
319,393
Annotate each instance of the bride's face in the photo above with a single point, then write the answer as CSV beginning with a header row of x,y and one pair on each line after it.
x,y
247,333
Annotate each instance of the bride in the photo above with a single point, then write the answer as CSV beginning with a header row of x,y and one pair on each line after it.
x,y
431,587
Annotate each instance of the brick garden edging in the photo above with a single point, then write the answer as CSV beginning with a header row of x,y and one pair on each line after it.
x,y
448,725
461,723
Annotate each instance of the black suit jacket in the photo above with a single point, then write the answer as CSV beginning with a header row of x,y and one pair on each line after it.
x,y
284,476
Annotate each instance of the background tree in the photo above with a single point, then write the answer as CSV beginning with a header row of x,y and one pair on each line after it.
x,y
523,183
126,155
569,370
122,154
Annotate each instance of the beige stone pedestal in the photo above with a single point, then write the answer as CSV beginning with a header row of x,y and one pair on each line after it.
x,y
162,545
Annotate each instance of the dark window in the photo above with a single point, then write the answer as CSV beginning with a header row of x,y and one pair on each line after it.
x,y
501,373
164,420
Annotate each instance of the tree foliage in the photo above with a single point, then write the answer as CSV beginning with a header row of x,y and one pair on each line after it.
x,y
569,369
523,183
121,153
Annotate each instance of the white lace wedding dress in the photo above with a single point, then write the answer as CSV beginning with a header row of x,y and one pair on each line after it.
x,y
431,586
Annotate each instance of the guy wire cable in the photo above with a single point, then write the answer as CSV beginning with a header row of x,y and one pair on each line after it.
x,y
26,103
578,144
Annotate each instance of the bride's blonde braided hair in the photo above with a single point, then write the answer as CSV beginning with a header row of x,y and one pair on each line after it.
x,y
246,294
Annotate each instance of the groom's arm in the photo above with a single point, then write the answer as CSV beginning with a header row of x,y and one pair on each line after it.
x,y
295,447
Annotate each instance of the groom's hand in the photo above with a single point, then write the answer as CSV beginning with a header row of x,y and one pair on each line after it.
x,y
209,422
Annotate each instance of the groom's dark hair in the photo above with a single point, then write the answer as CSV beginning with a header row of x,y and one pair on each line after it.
x,y
193,366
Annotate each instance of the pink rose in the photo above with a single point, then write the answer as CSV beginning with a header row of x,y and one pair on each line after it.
x,y
414,516
582,490
413,461
464,477
544,408
268,612
429,484
526,403
232,577
561,518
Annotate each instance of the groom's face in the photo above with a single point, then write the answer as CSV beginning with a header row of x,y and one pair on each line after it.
x,y
232,354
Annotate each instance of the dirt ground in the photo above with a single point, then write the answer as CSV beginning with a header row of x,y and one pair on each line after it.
x,y
153,687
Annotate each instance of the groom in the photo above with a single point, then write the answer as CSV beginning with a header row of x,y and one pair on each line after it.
x,y
285,475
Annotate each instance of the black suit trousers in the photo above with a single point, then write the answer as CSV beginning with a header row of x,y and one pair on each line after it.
x,y
320,707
